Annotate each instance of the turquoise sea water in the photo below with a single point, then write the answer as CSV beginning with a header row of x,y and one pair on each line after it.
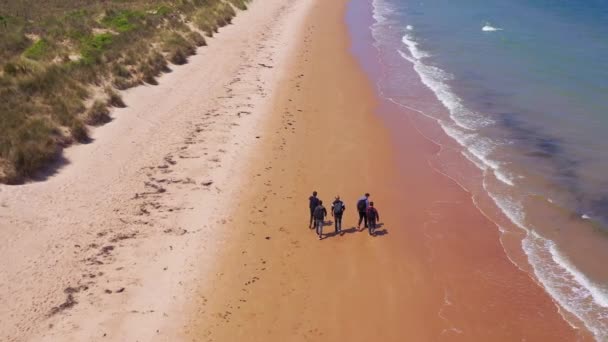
x,y
522,87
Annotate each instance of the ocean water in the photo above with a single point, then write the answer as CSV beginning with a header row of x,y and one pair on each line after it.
x,y
521,89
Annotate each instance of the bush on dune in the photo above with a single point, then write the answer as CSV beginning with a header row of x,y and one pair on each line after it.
x,y
114,98
178,48
53,54
98,114
34,144
197,39
79,131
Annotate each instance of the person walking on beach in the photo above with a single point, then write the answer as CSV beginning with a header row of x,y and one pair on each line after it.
x,y
313,202
372,218
319,213
362,205
337,209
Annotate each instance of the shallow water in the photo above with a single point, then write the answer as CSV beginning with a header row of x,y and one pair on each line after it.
x,y
519,88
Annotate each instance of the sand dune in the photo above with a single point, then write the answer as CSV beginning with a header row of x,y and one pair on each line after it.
x,y
114,243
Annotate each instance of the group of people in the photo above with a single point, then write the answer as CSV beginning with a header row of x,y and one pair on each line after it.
x,y
368,214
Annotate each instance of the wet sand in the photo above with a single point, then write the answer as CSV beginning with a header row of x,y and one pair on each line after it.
x,y
436,270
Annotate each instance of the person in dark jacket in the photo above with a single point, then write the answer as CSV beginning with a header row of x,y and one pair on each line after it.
x,y
372,218
362,205
320,213
337,209
313,202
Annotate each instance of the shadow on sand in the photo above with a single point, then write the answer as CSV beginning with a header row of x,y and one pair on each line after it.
x,y
380,232
352,230
52,169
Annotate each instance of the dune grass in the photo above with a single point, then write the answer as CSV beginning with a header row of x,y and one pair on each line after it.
x,y
61,62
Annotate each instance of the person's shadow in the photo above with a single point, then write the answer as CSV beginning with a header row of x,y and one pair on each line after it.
x,y
352,230
380,232
330,223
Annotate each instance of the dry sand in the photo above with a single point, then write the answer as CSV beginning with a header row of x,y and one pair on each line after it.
x,y
187,218
113,245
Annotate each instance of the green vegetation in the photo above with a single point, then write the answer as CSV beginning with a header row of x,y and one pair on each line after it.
x,y
57,56
38,50
92,47
123,21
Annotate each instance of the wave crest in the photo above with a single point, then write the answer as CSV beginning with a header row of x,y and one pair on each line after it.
x,y
489,28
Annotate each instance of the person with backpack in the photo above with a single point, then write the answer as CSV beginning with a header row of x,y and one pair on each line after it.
x,y
313,202
362,205
372,218
319,213
337,209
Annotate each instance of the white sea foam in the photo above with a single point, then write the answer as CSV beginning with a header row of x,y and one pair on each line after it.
x,y
489,28
567,285
503,176
473,160
478,150
599,294
511,208
409,27
436,80
381,10
418,54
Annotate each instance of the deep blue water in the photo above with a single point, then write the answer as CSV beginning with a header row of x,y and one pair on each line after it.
x,y
543,75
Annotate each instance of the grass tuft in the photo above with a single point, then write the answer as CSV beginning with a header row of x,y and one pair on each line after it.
x,y
163,10
38,50
123,21
114,98
178,57
197,39
178,48
79,132
240,4
34,145
93,46
98,114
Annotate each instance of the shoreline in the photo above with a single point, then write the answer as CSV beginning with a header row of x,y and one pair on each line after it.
x,y
416,276
466,174
540,256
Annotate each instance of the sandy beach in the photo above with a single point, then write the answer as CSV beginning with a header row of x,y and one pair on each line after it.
x,y
436,270
187,219
113,245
